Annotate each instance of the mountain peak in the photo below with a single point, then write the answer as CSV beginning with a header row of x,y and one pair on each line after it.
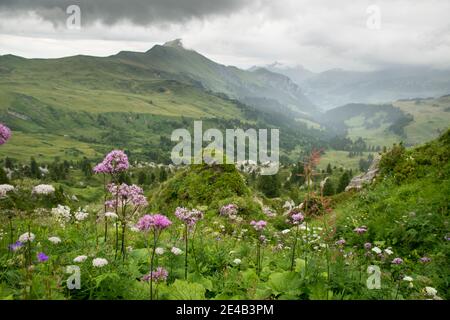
x,y
177,43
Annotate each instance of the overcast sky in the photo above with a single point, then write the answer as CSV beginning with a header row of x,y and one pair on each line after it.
x,y
317,34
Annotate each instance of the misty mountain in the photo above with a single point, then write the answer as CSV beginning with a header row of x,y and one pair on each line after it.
x,y
261,88
337,87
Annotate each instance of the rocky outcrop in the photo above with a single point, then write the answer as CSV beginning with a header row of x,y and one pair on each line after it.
x,y
358,182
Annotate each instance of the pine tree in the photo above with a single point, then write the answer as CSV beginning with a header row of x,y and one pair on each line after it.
x,y
162,175
3,177
142,178
343,182
328,188
329,170
34,169
269,185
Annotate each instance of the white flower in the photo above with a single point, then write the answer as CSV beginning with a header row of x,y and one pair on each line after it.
x,y
111,215
430,291
81,215
285,231
388,251
5,188
237,261
80,259
99,262
159,251
176,251
61,214
408,278
376,250
44,189
54,240
27,237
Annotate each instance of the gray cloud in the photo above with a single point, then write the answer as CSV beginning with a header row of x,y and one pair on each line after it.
x,y
319,34
138,12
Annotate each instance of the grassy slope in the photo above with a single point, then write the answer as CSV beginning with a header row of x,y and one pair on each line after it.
x,y
407,209
431,118
52,103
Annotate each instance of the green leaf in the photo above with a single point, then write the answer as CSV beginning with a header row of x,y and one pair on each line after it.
x,y
107,276
283,282
183,290
300,265
198,278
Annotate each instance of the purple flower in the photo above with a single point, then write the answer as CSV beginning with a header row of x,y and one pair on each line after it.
x,y
424,259
5,134
189,217
159,275
340,242
397,261
124,195
15,246
367,245
156,222
259,225
295,216
360,230
229,210
116,161
42,257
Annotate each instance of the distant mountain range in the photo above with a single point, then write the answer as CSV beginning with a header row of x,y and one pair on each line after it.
x,y
337,87
135,99
259,88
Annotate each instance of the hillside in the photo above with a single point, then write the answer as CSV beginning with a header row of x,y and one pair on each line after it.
x,y
407,209
412,121
83,105
337,87
263,85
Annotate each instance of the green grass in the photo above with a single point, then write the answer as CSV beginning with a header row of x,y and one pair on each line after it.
x,y
340,159
430,119
45,147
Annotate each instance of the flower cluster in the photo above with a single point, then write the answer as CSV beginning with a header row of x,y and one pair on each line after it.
x,y
124,195
189,217
80,259
229,210
116,161
176,251
295,216
110,214
99,262
269,212
28,236
54,240
43,189
360,230
5,188
397,261
153,222
5,134
81,215
62,214
259,225
159,275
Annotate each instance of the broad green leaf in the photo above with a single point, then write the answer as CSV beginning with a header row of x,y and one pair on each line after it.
x,y
183,290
